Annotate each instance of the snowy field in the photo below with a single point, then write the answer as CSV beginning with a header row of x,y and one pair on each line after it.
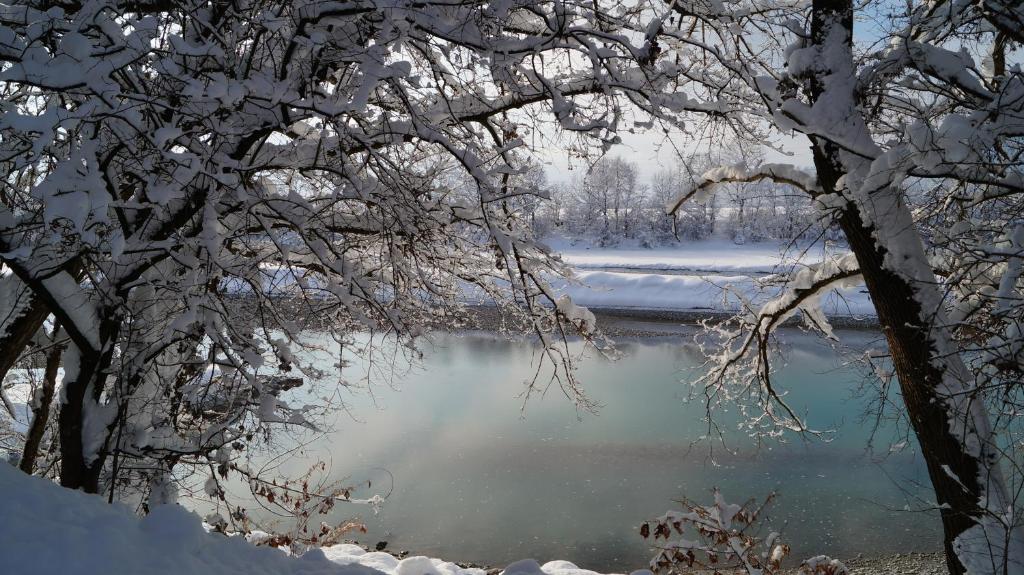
x,y
48,530
710,275
707,256
694,293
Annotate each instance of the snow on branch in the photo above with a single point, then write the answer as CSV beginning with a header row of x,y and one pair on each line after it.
x,y
803,292
351,165
778,173
1005,15
742,368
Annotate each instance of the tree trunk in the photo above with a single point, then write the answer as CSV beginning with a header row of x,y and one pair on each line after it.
x,y
18,330
41,414
83,387
74,472
963,475
957,476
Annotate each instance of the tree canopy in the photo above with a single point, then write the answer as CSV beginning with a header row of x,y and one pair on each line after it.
x,y
165,159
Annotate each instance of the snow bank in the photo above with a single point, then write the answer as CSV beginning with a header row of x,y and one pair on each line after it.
x,y
647,291
599,289
353,554
47,529
707,275
712,255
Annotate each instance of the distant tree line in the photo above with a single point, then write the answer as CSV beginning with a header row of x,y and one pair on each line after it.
x,y
611,203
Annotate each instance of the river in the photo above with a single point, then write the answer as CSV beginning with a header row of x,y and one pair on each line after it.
x,y
475,475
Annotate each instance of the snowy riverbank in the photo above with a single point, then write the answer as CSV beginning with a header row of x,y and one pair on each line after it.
x,y
696,278
713,255
709,276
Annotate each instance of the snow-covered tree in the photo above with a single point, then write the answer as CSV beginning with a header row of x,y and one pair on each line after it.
x,y
696,220
915,127
598,195
191,184
608,203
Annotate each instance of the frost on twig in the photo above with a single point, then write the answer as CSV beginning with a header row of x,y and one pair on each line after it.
x,y
723,537
740,351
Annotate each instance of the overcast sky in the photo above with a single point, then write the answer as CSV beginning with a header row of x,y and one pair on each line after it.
x,y
653,151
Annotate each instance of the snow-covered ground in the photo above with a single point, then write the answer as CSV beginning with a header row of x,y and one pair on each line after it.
x,y
703,256
693,293
48,530
710,275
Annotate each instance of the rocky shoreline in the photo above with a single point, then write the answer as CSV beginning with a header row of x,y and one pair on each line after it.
x,y
899,564
896,564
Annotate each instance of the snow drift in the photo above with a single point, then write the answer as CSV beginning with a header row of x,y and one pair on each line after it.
x,y
47,529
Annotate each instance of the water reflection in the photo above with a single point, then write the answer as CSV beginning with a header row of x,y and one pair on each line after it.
x,y
477,478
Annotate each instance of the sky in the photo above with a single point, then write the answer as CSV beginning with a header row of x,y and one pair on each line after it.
x,y
653,151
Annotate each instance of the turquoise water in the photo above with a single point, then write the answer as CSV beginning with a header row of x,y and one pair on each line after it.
x,y
479,476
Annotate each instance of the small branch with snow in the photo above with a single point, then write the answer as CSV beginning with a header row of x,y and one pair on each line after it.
x,y
778,173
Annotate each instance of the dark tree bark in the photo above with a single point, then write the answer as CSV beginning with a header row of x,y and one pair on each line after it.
x,y
956,474
74,472
959,490
18,332
41,413
86,388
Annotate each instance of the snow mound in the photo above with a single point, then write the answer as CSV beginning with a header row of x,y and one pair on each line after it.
x,y
601,289
46,529
704,256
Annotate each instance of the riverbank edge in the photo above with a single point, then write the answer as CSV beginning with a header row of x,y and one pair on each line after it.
x,y
650,322
911,563
611,321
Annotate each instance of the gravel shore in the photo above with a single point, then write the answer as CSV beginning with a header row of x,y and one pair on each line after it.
x,y
614,322
899,564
